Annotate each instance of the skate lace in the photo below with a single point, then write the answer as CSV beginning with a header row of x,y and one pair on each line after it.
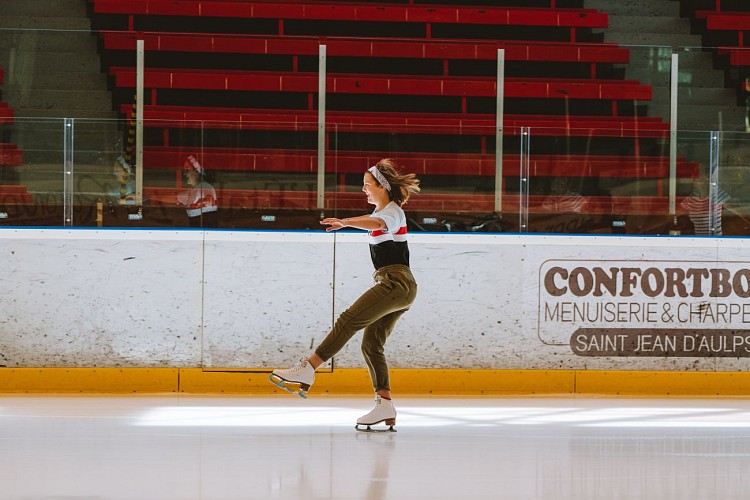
x,y
378,401
301,365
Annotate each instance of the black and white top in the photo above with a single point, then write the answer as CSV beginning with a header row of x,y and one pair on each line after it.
x,y
388,246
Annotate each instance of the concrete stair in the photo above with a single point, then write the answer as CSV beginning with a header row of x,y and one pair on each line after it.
x,y
654,29
31,10
53,71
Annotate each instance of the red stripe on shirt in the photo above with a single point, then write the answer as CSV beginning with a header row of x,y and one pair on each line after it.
x,y
380,232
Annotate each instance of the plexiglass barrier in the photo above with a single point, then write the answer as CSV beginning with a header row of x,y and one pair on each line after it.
x,y
582,190
606,173
715,201
33,172
220,152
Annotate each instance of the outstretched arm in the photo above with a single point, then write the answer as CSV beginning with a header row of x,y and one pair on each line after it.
x,y
364,222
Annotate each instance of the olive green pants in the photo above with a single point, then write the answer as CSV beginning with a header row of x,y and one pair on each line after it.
x,y
377,311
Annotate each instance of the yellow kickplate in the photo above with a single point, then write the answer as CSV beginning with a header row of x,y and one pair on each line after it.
x,y
340,381
403,381
88,380
417,382
636,383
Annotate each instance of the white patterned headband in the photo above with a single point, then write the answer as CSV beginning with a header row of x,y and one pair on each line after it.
x,y
380,178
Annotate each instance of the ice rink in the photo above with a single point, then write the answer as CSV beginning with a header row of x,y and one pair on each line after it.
x,y
230,447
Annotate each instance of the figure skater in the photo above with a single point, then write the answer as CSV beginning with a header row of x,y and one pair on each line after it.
x,y
378,309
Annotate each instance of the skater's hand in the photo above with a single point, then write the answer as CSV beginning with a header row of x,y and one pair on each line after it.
x,y
333,224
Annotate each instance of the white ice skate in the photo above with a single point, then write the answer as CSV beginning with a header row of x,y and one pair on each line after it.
x,y
302,375
383,412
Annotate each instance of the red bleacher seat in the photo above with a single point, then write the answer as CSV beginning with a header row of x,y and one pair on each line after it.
x,y
15,195
379,84
689,7
726,21
432,123
478,203
301,161
364,47
358,12
6,114
10,155
736,56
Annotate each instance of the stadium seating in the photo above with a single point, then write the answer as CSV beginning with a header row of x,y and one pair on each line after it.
x,y
412,80
174,117
430,20
590,56
459,88
269,160
445,51
478,203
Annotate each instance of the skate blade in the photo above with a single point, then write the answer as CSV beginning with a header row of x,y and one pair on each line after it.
x,y
390,422
281,384
367,428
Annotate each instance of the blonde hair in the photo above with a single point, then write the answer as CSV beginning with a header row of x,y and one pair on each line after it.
x,y
402,185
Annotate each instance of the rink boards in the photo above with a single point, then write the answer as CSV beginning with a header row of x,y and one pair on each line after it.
x,y
212,311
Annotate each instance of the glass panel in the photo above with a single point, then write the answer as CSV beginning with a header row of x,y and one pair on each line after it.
x,y
601,164
455,163
712,193
708,101
713,199
263,171
730,193
31,171
693,169
197,174
39,87
103,174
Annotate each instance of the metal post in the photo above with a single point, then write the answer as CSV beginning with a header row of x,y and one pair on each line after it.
x,y
713,183
523,181
139,124
673,135
321,126
499,106
68,148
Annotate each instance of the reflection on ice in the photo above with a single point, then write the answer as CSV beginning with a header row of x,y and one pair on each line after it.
x,y
441,416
